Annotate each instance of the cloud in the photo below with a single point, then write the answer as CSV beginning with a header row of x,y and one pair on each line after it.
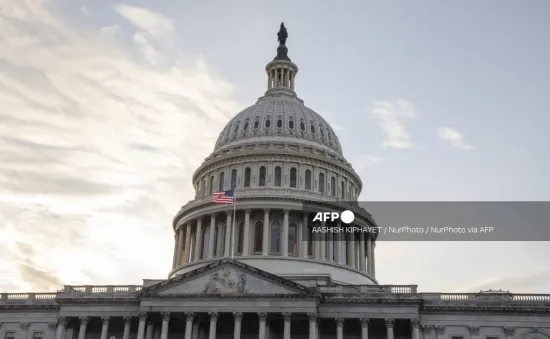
x,y
365,161
95,145
454,137
392,117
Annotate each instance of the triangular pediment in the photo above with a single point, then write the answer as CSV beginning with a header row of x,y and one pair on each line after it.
x,y
227,278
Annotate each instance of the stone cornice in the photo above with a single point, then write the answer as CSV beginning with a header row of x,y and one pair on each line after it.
x,y
493,309
37,307
371,301
132,300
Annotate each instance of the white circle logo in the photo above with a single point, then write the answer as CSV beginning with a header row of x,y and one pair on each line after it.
x,y
347,217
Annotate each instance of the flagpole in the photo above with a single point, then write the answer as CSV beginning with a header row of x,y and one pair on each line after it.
x,y
233,224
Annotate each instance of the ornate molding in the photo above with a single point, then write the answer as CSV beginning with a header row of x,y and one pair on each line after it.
x,y
364,322
339,322
84,320
262,316
415,323
389,322
165,316
439,329
213,316
474,330
238,316
105,319
142,316
312,316
52,326
25,326
287,316
226,283
427,329
127,320
62,320
189,316
509,331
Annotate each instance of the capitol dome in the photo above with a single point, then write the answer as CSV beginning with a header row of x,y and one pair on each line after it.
x,y
286,163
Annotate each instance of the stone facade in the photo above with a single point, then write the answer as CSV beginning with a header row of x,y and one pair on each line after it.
x,y
270,277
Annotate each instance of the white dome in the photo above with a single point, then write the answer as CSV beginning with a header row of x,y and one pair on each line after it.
x,y
280,118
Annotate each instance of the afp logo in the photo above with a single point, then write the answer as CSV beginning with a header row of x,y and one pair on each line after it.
x,y
346,216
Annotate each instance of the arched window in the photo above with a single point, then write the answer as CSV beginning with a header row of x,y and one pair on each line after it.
x,y
258,236
275,237
292,239
204,189
211,184
343,190
247,174
199,187
312,128
245,127
236,130
349,192
240,238
329,137
279,123
333,186
267,123
233,178
321,183
293,179
256,124
220,184
302,126
291,124
322,132
205,235
262,176
308,180
278,176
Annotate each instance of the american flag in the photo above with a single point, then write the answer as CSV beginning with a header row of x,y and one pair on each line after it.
x,y
224,197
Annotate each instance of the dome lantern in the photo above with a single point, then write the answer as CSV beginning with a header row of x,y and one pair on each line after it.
x,y
281,71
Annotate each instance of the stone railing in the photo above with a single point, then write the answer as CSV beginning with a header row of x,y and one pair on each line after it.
x,y
89,290
27,298
367,289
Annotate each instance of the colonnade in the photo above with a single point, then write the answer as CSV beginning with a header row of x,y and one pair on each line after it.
x,y
270,232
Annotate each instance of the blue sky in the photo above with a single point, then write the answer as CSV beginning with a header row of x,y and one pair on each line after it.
x,y
110,106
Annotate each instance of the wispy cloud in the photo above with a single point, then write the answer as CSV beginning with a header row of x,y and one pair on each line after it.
x,y
392,117
365,161
454,137
94,146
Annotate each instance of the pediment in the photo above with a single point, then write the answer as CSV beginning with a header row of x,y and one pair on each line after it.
x,y
227,278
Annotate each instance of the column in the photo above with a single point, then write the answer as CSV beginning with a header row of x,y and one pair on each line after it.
x,y
351,250
263,318
323,243
339,328
312,325
213,325
373,259
510,332
83,325
474,331
427,330
219,242
330,253
415,328
61,322
246,234
150,329
211,235
164,330
198,240
104,327
369,255
265,239
339,246
440,332
287,321
365,329
127,323
317,331
316,248
24,330
180,241
228,232
362,261
187,249
51,332
305,237
389,328
238,316
141,327
189,325
284,235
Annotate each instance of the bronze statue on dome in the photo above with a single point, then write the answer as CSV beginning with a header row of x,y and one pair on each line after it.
x,y
282,35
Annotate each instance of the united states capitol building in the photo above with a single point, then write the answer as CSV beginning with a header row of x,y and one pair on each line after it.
x,y
271,277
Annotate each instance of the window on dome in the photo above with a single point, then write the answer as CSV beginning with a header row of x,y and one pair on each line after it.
x,y
247,175
267,123
312,128
343,190
240,238
279,123
322,132
262,176
321,183
302,126
292,239
275,237
234,178
329,136
349,192
236,128
245,127
278,176
291,124
293,179
211,184
258,236
333,186
221,183
203,191
308,180
256,124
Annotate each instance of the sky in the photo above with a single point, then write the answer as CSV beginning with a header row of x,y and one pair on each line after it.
x,y
107,108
